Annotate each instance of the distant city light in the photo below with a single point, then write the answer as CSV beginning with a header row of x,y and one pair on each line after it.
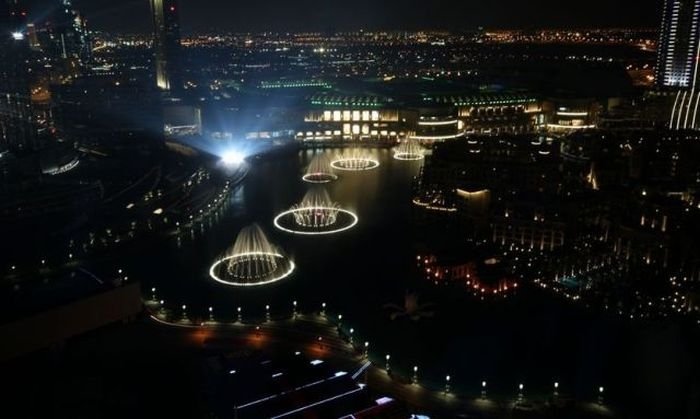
x,y
17,36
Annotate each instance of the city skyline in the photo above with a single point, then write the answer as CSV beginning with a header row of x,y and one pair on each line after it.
x,y
393,209
315,15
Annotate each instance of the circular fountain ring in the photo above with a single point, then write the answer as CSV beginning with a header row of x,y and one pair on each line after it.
x,y
320,177
345,221
408,156
355,164
220,273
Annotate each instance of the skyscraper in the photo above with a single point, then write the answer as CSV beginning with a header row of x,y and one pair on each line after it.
x,y
166,41
63,35
677,61
17,128
678,44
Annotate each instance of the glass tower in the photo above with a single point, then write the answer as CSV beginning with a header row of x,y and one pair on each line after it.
x,y
677,61
678,44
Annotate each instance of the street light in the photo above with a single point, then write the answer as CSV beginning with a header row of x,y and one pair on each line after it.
x,y
601,390
447,384
153,294
184,311
556,388
323,309
352,331
211,313
240,315
340,321
483,389
366,349
388,367
521,387
415,374
294,309
267,312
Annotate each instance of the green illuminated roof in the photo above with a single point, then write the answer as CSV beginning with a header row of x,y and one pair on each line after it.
x,y
480,100
342,100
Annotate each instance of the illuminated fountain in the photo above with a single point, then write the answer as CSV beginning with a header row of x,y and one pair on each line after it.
x,y
252,261
320,170
354,161
409,150
316,214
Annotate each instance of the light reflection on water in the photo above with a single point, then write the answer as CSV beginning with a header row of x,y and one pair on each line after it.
x,y
532,337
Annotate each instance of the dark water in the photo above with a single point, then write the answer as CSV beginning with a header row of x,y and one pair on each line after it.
x,y
531,337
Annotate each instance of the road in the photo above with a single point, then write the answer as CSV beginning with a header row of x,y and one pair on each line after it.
x,y
319,338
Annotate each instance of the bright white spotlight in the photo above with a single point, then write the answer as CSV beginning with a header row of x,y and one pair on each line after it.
x,y
232,158
17,36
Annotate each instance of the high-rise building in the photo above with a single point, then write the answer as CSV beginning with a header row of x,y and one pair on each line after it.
x,y
678,44
63,35
17,127
677,61
166,41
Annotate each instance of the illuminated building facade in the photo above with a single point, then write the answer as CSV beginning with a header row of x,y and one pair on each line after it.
x,y
677,61
428,119
436,124
498,114
456,115
182,120
351,118
17,128
567,115
166,40
678,46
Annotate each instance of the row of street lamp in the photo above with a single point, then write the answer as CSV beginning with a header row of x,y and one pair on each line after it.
x,y
365,346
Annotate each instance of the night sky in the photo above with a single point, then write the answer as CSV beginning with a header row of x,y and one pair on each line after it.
x,y
330,15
